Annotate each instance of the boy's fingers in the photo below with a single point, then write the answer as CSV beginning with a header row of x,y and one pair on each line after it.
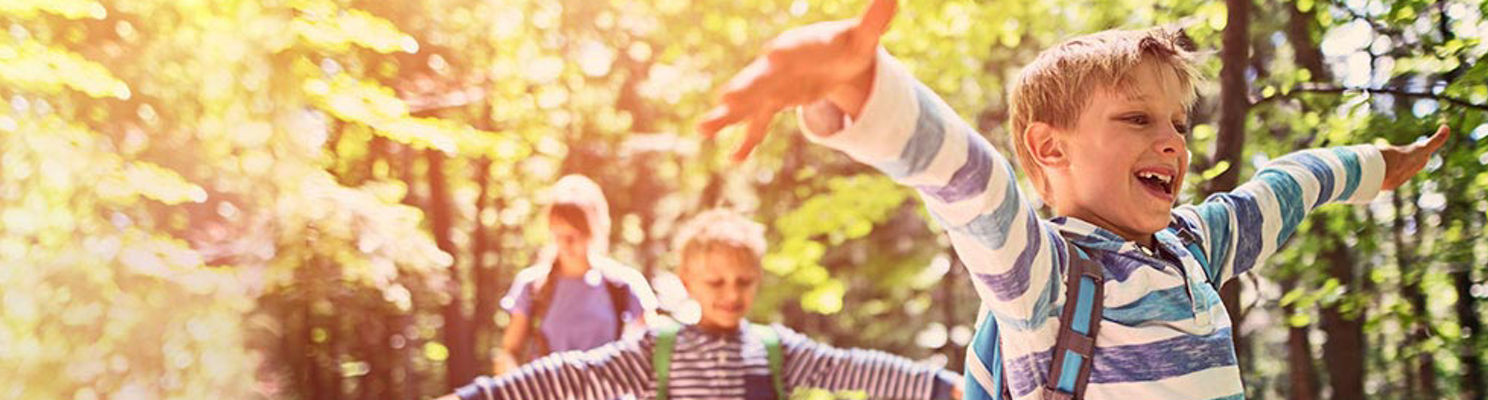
x,y
754,134
718,118
747,81
876,18
1438,139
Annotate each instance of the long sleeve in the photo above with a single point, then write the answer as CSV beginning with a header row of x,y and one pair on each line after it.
x,y
879,375
908,133
615,370
1242,227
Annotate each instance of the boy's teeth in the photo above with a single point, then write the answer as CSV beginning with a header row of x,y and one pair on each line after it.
x,y
1153,175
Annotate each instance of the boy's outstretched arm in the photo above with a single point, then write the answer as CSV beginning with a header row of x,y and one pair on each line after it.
x,y
879,375
1241,228
615,370
906,131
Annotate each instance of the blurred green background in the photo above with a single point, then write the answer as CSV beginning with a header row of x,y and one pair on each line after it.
x,y
324,199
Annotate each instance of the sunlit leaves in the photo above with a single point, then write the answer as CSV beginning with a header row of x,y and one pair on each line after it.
x,y
31,66
323,26
89,277
150,181
376,106
72,9
830,218
843,212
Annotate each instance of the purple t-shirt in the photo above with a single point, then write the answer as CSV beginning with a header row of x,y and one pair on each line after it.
x,y
581,315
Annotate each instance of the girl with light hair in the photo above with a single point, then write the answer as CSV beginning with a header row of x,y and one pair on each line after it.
x,y
575,297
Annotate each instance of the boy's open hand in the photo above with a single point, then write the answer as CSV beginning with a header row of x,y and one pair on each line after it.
x,y
831,60
1403,162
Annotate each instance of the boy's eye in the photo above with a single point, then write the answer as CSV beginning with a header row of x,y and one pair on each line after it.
x,y
1181,127
1137,119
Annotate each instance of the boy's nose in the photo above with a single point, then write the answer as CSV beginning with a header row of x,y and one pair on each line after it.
x,y
1172,143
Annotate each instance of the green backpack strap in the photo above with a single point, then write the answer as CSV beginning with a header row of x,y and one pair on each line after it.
x,y
661,356
771,339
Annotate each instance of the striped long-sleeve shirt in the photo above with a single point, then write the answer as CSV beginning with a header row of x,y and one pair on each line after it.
x,y
1164,332
709,365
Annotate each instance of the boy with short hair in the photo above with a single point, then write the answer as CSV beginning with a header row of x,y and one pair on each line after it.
x,y
1115,297
722,355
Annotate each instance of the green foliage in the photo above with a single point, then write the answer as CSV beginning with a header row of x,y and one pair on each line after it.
x,y
236,198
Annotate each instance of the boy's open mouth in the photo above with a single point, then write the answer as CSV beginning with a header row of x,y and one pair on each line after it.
x,y
1158,182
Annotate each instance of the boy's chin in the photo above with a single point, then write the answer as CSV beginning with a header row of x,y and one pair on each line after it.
x,y
722,323
1146,226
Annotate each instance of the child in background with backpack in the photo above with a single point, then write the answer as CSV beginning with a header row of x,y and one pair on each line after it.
x,y
722,355
575,297
1114,297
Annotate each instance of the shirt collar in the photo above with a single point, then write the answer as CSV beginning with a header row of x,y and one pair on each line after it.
x,y
1090,236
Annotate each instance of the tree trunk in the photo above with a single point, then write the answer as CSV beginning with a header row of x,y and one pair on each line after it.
x,y
460,367
1461,260
1305,49
1344,350
297,344
313,370
405,160
643,191
371,338
1230,145
484,272
336,342
1413,274
1472,324
1302,376
1467,310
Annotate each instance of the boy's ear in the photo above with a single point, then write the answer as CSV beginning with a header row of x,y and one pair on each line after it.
x,y
1044,145
681,273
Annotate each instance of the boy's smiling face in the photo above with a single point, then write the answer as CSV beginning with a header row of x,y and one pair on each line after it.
x,y
1124,160
723,281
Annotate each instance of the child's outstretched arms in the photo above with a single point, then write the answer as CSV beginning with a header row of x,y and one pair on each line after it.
x,y
879,375
1239,229
615,370
859,100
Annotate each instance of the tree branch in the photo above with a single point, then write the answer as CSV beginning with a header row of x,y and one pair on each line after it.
x,y
1311,88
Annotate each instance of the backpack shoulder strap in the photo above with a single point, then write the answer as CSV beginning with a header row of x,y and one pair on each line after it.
x,y
771,339
661,356
1079,321
545,286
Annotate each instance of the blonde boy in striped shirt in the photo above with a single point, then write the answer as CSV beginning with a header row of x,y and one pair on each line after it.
x,y
1099,124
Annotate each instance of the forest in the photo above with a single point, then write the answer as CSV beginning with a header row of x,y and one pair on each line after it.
x,y
326,199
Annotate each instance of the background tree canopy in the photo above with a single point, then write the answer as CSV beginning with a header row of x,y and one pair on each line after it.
x,y
324,199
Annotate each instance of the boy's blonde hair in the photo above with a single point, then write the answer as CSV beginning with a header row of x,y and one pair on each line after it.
x,y
721,229
1058,85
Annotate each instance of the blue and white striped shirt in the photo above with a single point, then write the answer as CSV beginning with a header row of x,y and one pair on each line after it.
x,y
709,365
1165,334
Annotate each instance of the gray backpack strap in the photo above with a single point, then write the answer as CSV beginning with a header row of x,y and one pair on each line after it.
x,y
1079,321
